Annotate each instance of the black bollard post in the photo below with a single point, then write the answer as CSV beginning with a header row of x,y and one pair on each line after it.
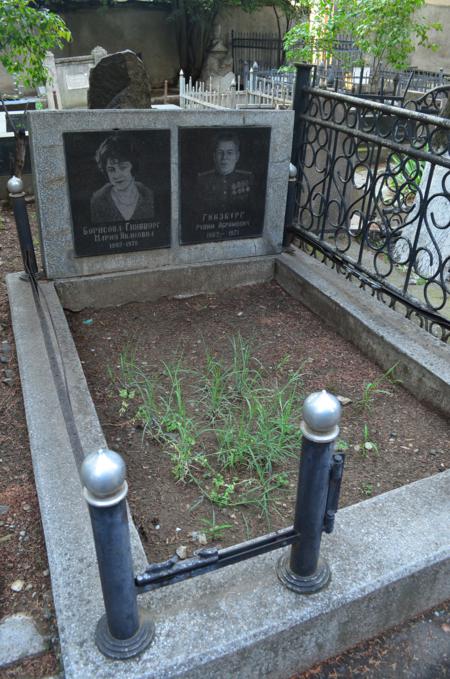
x,y
124,630
17,195
317,495
290,202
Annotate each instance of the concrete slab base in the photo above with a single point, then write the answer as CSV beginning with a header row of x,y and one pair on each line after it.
x,y
19,639
114,289
389,556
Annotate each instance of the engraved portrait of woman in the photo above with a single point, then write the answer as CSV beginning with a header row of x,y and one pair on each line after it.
x,y
122,197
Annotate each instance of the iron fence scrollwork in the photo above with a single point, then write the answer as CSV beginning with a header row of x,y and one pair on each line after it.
x,y
373,195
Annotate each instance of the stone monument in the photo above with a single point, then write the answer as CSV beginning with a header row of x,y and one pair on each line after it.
x,y
119,80
219,63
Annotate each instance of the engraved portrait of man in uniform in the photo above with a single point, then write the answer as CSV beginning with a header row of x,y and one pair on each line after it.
x,y
226,185
227,199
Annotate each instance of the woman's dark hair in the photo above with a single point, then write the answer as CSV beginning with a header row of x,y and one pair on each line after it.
x,y
115,148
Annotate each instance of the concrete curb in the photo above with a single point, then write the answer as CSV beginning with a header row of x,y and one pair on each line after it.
x,y
390,556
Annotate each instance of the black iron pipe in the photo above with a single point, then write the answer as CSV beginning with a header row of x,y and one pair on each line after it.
x,y
210,559
359,102
302,570
112,540
17,196
124,630
300,105
312,492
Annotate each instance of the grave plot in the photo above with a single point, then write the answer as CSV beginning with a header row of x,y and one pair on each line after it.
x,y
203,398
186,337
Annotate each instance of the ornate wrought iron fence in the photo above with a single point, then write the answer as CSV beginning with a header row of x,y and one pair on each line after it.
x,y
373,197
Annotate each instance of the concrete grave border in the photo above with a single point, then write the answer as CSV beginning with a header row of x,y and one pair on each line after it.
x,y
390,555
52,195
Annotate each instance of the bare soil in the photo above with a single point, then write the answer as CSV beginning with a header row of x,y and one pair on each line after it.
x,y
407,441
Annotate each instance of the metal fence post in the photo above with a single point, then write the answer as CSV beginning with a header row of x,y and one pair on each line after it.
x,y
317,495
124,630
290,202
17,195
300,106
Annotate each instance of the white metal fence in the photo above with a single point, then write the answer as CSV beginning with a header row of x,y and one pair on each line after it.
x,y
275,92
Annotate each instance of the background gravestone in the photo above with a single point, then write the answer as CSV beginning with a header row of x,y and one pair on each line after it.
x,y
119,80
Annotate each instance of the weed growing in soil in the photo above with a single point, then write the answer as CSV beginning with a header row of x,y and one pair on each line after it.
x,y
367,489
213,529
372,389
341,446
227,428
368,445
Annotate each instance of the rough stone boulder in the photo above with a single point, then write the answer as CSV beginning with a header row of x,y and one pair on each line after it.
x,y
119,80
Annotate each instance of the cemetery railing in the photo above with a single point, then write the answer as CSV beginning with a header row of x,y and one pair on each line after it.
x,y
345,74
373,197
266,49
125,630
257,92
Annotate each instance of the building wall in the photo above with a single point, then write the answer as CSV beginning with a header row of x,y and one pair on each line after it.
x,y
425,59
149,31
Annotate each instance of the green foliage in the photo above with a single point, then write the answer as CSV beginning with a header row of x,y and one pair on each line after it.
x,y
213,529
372,389
227,431
383,29
405,174
341,446
368,445
367,489
26,34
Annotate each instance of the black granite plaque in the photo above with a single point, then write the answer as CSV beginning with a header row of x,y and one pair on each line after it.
x,y
119,190
223,178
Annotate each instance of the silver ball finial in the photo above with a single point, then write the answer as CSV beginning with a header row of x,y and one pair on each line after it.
x,y
15,185
103,474
321,415
292,171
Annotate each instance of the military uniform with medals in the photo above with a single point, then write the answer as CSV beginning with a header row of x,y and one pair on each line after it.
x,y
224,192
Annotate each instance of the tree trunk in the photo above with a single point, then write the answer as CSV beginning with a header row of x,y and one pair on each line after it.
x,y
193,38
20,152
